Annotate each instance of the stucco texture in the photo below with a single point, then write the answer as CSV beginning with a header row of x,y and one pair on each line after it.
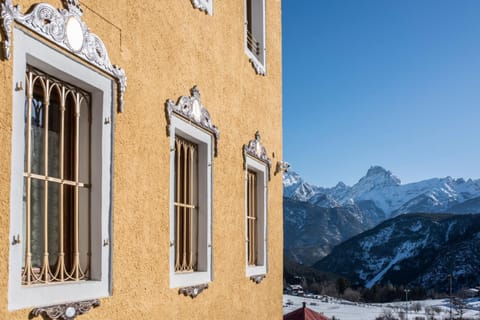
x,y
166,47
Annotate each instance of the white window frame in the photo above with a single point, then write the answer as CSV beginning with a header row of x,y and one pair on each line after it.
x,y
259,16
204,274
204,5
261,170
30,50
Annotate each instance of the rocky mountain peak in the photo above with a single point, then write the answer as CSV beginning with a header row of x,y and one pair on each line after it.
x,y
382,176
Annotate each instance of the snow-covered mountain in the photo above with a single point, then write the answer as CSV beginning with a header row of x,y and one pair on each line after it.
x,y
414,250
316,219
386,192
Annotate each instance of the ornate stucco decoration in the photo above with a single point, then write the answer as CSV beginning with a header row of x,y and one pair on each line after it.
x,y
256,150
257,279
65,28
259,69
203,5
191,109
67,311
193,291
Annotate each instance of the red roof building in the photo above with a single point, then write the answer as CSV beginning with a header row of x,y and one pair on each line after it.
x,y
304,313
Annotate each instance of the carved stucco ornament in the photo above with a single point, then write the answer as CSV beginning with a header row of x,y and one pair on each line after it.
x,y
67,311
256,150
65,28
203,5
191,109
259,69
193,291
257,279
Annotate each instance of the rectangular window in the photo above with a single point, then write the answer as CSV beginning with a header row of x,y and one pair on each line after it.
x,y
186,220
256,217
255,40
57,178
61,178
191,204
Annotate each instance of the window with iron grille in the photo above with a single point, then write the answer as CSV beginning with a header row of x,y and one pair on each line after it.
x,y
255,40
191,154
61,178
256,216
257,173
186,219
56,180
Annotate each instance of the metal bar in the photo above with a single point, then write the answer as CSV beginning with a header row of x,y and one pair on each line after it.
x,y
76,260
190,200
28,257
177,208
61,249
46,102
57,180
184,211
183,205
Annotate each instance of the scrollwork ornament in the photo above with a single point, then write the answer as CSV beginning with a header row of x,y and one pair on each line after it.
x,y
8,15
257,279
68,311
259,69
192,109
202,5
193,291
255,149
51,23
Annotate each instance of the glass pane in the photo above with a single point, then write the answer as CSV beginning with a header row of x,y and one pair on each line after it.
x,y
68,224
36,222
69,139
53,221
84,143
37,133
84,227
54,119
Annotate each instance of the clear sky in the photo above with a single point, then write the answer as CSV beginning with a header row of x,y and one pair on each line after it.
x,y
394,83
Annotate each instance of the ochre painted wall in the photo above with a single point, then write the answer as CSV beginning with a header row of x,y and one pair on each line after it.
x,y
166,47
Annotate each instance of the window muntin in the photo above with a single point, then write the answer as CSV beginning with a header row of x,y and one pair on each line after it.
x,y
255,40
186,208
57,177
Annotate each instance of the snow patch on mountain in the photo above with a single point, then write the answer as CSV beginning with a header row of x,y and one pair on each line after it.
x,y
387,193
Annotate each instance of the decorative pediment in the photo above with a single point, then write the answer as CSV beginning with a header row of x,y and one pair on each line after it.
x,y
256,150
65,28
191,109
67,311
203,5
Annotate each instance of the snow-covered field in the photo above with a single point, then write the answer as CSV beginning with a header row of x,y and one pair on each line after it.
x,y
346,310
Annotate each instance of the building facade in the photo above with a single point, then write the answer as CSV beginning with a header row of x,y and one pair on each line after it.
x,y
141,159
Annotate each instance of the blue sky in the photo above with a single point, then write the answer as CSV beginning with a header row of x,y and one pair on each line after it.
x,y
394,83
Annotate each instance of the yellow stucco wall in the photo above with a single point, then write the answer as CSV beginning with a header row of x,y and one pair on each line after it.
x,y
166,47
